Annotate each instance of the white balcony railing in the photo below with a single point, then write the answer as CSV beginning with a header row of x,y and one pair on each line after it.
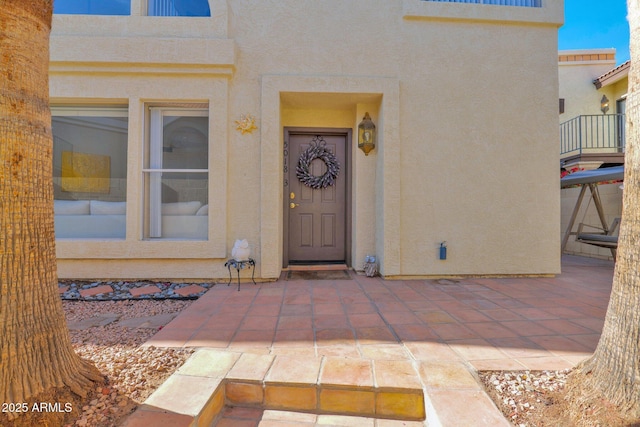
x,y
524,3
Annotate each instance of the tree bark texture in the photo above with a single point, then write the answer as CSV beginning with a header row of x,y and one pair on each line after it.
x,y
614,369
35,348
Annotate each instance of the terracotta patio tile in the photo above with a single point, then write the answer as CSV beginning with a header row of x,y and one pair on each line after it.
x,y
327,321
542,363
374,334
396,374
401,318
297,299
323,309
209,363
466,408
564,327
470,316
145,418
252,338
415,333
446,375
501,314
531,313
367,319
519,347
296,310
263,323
293,337
507,364
526,328
301,417
295,322
339,351
476,349
490,330
359,308
432,351
452,331
346,372
251,367
436,317
264,310
385,352
294,370
595,324
334,336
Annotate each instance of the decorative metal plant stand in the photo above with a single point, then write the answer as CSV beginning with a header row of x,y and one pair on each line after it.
x,y
239,265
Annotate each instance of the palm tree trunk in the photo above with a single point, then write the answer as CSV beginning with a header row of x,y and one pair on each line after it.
x,y
614,369
35,350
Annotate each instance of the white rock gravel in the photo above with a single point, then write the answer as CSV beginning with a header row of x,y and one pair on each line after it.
x,y
133,372
520,393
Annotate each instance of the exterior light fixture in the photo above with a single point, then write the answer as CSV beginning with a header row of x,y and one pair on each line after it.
x,y
366,135
604,104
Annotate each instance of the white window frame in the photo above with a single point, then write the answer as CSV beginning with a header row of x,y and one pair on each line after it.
x,y
155,169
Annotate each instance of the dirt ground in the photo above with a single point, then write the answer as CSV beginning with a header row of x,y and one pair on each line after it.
x,y
540,399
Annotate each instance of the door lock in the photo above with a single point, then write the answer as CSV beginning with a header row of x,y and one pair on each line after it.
x,y
292,195
293,205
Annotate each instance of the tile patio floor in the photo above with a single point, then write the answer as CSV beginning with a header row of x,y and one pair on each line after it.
x,y
448,329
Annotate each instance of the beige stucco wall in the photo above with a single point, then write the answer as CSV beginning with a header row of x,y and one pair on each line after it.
x,y
576,81
464,97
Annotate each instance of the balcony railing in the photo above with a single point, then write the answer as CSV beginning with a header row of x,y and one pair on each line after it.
x,y
525,3
591,134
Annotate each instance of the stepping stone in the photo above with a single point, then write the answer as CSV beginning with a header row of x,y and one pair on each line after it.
x,y
145,290
189,290
151,322
101,320
104,289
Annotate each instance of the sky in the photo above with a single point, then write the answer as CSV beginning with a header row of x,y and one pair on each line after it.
x,y
590,24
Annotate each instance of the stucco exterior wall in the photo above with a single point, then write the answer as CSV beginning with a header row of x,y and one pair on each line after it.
x,y
576,75
464,98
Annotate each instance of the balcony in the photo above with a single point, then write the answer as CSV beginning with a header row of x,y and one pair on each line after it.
x,y
593,139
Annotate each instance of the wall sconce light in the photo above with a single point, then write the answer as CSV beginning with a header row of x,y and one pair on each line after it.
x,y
366,135
604,104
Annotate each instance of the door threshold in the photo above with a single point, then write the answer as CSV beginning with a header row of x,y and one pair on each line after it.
x,y
316,267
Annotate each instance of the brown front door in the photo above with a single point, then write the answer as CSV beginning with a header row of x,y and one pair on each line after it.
x,y
316,223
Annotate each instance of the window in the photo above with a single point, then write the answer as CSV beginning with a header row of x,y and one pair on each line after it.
x,y
92,7
176,174
89,171
526,3
179,8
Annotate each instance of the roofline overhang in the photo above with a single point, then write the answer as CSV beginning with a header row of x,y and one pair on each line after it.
x,y
613,76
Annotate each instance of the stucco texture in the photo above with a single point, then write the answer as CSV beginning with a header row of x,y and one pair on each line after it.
x,y
464,98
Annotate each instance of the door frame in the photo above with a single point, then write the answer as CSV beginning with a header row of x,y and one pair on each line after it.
x,y
346,169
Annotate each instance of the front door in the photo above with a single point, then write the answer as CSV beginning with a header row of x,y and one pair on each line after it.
x,y
315,218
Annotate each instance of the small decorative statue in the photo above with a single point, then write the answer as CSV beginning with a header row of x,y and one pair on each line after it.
x,y
241,250
370,266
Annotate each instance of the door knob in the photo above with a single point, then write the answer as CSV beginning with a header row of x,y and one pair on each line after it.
x,y
293,205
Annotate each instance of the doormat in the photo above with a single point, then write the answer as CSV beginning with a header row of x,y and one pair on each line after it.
x,y
319,275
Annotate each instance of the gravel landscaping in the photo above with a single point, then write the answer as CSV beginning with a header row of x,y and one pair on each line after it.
x,y
133,372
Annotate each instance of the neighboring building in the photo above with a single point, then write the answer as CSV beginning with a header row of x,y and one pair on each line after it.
x,y
158,168
592,135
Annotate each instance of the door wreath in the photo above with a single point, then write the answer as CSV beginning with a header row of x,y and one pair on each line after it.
x,y
317,150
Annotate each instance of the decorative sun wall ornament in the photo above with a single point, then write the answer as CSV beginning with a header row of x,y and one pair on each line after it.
x,y
246,124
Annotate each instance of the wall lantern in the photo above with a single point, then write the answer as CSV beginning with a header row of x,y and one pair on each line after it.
x,y
604,104
366,135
